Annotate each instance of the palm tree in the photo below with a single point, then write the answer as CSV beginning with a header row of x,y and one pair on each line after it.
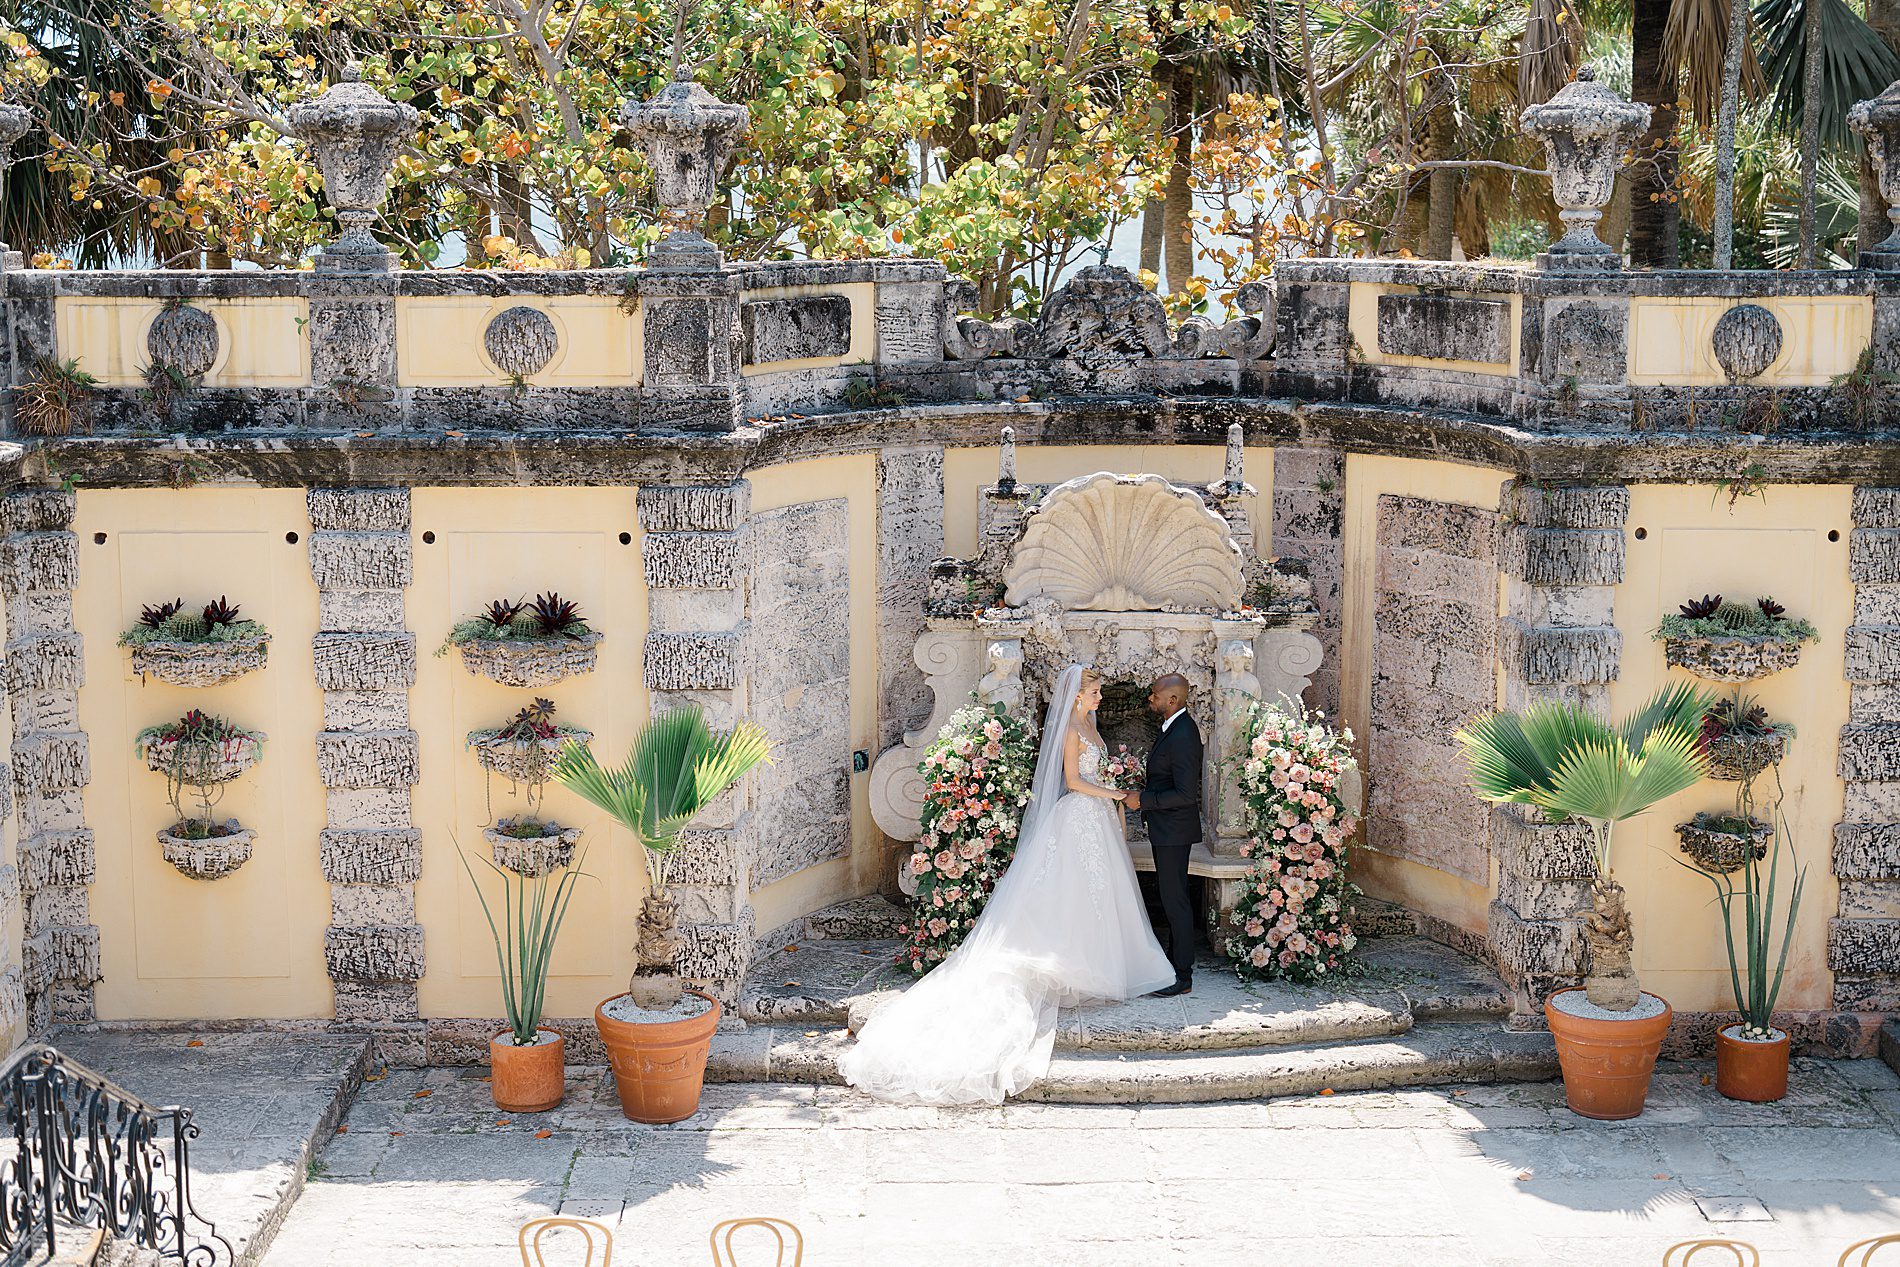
x,y
1568,763
677,766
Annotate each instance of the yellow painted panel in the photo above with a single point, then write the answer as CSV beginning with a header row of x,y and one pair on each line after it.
x,y
1821,336
854,479
966,472
440,341
1776,545
261,341
1362,319
251,944
510,543
1368,477
863,349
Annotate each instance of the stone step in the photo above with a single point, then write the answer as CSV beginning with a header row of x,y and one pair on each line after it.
x,y
1434,1054
861,919
819,985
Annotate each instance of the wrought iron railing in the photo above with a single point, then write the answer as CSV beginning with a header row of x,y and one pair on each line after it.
x,y
79,1151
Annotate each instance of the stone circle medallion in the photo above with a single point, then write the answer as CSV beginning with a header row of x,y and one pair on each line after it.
x,y
1746,341
521,341
183,338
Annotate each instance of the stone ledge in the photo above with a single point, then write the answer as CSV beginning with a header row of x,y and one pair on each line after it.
x,y
1569,506
1863,947
57,859
39,561
1549,655
1564,556
691,560
692,661
693,507
360,560
46,662
359,509
375,953
371,758
364,662
388,856
1870,753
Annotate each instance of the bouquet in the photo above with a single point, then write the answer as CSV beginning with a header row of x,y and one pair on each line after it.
x,y
977,776
1124,769
1291,920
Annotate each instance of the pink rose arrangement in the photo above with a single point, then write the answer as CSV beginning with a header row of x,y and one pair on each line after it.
x,y
1123,769
1291,923
977,775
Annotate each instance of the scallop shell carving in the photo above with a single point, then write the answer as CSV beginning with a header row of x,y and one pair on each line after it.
x,y
1125,543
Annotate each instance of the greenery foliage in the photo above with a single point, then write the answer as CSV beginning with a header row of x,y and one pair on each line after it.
x,y
532,911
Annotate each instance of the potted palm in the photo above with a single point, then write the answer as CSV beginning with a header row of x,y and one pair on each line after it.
x,y
1751,1056
659,1034
527,1062
1564,761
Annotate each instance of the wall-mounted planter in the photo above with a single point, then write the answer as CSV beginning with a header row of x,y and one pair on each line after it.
x,y
1708,840
211,858
220,762
531,856
530,661
1731,659
523,761
1738,758
198,663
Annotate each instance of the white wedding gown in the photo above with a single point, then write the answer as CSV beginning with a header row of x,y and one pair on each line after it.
x,y
1065,926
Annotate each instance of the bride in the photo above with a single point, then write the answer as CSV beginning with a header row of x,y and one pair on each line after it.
x,y
1065,926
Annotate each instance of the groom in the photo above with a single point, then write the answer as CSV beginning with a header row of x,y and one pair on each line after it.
x,y
1170,800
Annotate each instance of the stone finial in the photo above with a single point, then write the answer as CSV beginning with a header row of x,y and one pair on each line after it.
x,y
1006,462
1878,122
355,132
1585,128
14,121
687,135
1235,473
1746,341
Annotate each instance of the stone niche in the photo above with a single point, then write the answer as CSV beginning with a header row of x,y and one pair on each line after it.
x,y
1136,576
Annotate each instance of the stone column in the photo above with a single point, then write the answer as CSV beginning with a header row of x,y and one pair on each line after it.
x,y
1563,554
1309,498
45,667
909,537
368,759
692,549
1863,943
690,319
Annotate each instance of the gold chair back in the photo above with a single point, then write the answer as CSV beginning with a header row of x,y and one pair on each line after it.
x,y
1740,1253
786,1235
534,1231
1866,1250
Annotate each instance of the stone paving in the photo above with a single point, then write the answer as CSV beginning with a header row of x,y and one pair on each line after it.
x,y
427,1172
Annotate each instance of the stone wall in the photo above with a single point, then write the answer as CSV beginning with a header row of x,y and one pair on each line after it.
x,y
801,685
1309,499
1864,938
910,498
1434,648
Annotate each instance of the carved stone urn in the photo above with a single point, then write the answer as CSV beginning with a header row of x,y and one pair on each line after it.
x,y
1878,122
1585,128
688,135
355,132
14,121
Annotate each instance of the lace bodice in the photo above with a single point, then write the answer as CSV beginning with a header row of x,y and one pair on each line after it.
x,y
1090,765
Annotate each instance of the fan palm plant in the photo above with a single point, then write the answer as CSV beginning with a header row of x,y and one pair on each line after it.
x,y
1563,760
678,766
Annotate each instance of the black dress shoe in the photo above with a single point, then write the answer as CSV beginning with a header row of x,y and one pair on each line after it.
x,y
1183,986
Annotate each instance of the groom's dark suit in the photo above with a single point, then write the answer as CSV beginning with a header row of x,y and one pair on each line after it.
x,y
1171,805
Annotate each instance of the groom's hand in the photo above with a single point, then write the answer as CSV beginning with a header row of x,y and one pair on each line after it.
x,y
1133,801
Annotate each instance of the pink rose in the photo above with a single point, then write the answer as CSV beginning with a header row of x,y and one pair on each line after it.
x,y
1303,832
1258,957
1254,928
919,864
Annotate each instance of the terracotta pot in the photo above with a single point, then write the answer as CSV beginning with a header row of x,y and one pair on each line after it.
x,y
659,1066
527,1079
1752,1071
1606,1064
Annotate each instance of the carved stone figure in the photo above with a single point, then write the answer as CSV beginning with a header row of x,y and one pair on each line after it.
x,y
1099,324
1585,128
1878,122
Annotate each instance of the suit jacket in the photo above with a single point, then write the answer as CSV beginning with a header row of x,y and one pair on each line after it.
x,y
1171,793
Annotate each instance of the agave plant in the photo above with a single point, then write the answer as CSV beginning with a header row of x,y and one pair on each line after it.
x,y
531,915
677,767
1568,763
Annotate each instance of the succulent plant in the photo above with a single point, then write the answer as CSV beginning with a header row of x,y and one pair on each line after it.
x,y
525,624
156,616
501,612
1697,608
536,721
1770,608
187,626
221,612
557,617
1738,617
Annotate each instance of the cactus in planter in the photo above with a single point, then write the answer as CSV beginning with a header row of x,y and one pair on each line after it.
x,y
187,626
524,624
